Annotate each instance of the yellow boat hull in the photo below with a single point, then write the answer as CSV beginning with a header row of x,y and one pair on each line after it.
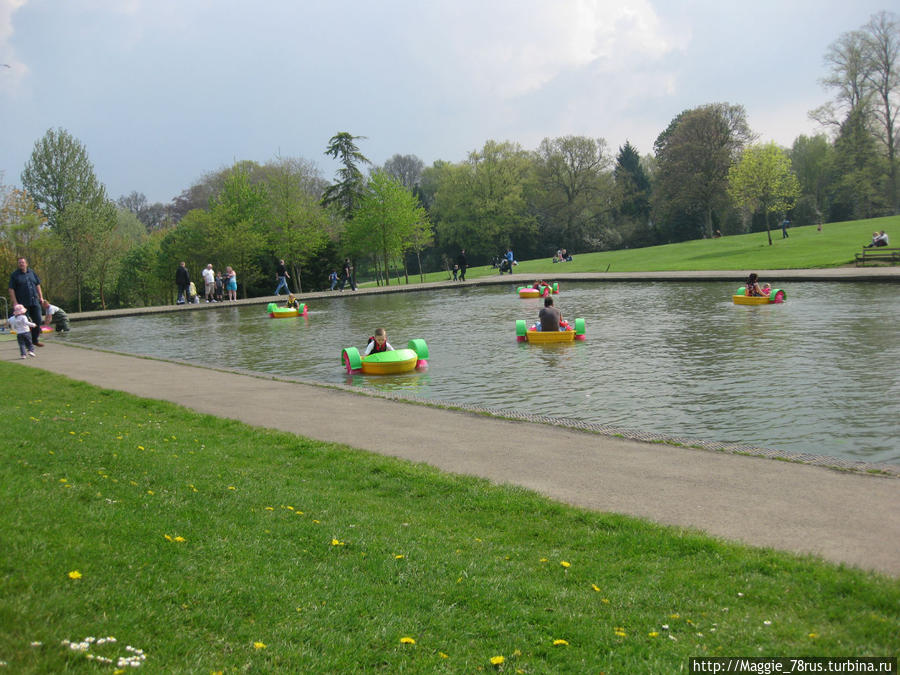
x,y
546,337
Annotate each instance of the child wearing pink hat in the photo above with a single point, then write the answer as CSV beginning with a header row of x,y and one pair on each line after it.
x,y
21,325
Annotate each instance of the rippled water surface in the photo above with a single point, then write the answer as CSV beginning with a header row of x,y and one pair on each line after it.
x,y
819,374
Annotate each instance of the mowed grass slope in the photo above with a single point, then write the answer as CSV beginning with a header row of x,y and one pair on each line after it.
x,y
217,547
805,248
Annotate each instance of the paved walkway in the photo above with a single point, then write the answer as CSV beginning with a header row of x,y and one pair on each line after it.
x,y
843,517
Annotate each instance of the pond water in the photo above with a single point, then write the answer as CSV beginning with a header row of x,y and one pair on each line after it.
x,y
819,374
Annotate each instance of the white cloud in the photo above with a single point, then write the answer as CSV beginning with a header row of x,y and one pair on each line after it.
x,y
12,71
514,47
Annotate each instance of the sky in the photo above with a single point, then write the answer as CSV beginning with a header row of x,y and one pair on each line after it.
x,y
161,92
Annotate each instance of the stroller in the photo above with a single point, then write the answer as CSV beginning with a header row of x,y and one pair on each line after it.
x,y
505,266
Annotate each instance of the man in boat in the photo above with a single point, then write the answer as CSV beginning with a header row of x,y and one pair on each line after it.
x,y
549,317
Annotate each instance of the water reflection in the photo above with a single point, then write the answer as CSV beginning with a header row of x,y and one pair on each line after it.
x,y
818,374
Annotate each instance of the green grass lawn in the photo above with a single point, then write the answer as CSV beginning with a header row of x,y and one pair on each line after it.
x,y
217,547
805,248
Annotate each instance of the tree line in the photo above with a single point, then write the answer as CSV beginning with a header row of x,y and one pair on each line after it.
x,y
706,175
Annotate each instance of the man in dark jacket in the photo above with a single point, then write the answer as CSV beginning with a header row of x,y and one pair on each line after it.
x,y
183,282
25,290
463,263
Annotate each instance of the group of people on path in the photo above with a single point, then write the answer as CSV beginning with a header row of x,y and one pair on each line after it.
x,y
215,285
30,309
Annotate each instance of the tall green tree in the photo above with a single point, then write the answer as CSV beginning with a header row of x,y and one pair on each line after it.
x,y
241,217
481,205
573,187
882,42
300,224
345,193
84,231
859,189
812,159
59,173
386,220
762,181
694,155
633,184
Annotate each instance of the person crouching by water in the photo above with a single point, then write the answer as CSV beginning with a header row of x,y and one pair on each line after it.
x,y
378,343
752,287
56,316
549,318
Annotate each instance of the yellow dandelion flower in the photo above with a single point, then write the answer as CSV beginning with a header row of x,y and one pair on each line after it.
x,y
121,671
140,447
543,560
564,563
74,574
595,587
813,635
315,521
653,634
168,538
443,655
557,643
270,508
299,513
399,556
259,645
71,433
497,660
63,480
231,487
289,508
674,616
605,601
335,542
180,539
150,492
407,641
620,633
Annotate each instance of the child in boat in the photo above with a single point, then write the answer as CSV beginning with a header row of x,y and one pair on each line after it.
x,y
752,286
378,343
767,289
292,302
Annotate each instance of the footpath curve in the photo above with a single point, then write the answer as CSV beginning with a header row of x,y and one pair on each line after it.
x,y
843,517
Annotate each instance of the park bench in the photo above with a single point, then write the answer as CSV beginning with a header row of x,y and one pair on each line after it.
x,y
878,254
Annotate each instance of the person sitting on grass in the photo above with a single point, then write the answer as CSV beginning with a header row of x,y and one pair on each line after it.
x,y
378,343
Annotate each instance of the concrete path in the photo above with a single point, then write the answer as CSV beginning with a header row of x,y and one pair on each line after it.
x,y
843,517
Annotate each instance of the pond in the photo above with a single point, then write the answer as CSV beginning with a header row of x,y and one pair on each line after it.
x,y
819,374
